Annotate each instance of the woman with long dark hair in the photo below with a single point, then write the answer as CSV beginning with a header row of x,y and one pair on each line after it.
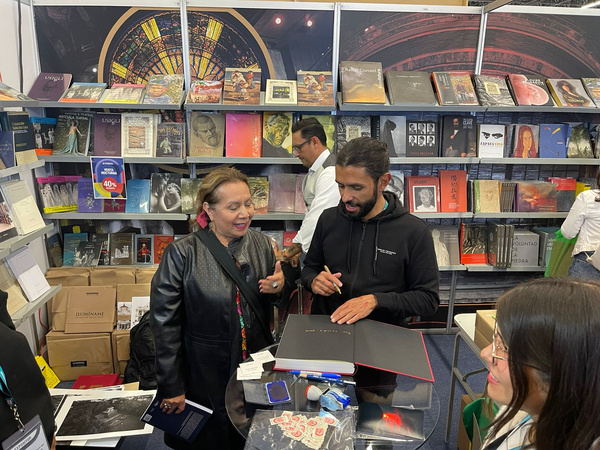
x,y
545,366
526,146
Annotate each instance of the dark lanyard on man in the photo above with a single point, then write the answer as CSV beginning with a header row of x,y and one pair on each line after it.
x,y
8,398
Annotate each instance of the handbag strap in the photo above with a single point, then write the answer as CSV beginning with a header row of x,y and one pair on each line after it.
x,y
249,292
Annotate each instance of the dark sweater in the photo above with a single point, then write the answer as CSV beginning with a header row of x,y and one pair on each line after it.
x,y
391,256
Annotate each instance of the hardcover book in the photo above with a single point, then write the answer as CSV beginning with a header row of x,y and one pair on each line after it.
x,y
396,185
18,122
473,243
496,237
242,86
362,82
86,203
7,228
454,88
282,192
492,91
8,93
445,242
207,135
491,141
164,89
71,244
7,149
259,189
507,195
170,139
580,145
165,193
569,92
243,135
161,241
138,196
458,136
107,134
277,134
121,249
300,205
50,86
123,93
453,190
592,87
54,250
189,192
535,196
529,90
23,207
565,192
409,88
72,134
328,122
547,236
315,88
525,141
392,131
422,194
83,93
144,249
351,127
421,138
137,135
553,140
313,343
205,91
525,249
487,196
184,426
103,238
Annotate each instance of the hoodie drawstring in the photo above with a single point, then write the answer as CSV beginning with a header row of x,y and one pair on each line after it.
x,y
376,249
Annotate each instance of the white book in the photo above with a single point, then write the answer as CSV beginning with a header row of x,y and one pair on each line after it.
x,y
491,141
137,135
28,273
139,306
25,212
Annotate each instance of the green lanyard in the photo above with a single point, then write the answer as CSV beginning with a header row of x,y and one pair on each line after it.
x,y
8,398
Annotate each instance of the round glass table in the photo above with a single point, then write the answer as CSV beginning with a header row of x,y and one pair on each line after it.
x,y
373,386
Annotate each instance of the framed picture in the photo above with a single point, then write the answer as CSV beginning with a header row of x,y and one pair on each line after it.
x,y
281,92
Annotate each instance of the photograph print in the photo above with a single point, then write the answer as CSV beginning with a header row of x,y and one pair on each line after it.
x,y
165,194
424,199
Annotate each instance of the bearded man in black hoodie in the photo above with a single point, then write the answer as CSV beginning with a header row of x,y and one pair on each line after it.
x,y
381,258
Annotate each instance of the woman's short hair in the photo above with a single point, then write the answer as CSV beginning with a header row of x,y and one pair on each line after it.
x,y
553,326
209,189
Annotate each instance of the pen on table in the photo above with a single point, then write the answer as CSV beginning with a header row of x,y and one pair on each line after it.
x,y
324,379
337,288
316,374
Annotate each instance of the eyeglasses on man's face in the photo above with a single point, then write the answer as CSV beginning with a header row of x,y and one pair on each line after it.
x,y
499,350
297,148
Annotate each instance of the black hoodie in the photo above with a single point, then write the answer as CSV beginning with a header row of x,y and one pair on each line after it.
x,y
390,255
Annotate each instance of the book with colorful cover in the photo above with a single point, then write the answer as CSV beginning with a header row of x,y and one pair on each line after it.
x,y
473,243
422,194
529,90
113,205
242,86
170,139
259,190
328,123
421,138
107,134
138,135
205,91
409,88
525,141
553,140
43,129
362,82
71,243
189,192
53,193
164,89
492,91
86,203
592,87
207,134
453,190
144,249
565,192
8,93
454,88
243,135
50,86
7,149
138,196
72,134
123,93
83,93
161,241
491,141
282,192
277,134
315,88
535,196
568,92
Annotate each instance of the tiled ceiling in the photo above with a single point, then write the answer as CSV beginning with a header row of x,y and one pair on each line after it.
x,y
561,3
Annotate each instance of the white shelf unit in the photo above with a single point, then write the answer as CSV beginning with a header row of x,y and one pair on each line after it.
x,y
115,216
30,308
13,244
98,105
260,107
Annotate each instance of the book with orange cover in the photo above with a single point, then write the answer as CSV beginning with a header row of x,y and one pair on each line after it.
x,y
243,135
422,194
453,190
96,381
473,243
241,86
454,88
160,244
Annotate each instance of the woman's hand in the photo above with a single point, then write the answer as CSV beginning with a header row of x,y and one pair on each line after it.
x,y
174,404
273,284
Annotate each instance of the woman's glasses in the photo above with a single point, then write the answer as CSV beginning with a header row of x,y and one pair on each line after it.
x,y
499,350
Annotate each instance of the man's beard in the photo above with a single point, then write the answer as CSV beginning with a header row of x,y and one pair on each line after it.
x,y
363,208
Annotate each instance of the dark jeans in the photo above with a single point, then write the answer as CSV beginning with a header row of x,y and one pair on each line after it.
x,y
581,268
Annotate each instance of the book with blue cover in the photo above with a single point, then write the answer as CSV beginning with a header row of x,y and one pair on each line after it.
x,y
71,243
7,149
553,140
138,196
86,203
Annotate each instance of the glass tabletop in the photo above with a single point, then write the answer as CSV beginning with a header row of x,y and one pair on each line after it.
x,y
383,391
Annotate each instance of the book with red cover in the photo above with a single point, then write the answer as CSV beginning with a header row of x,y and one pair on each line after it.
x,y
453,190
422,194
529,90
535,196
473,243
288,238
96,381
565,192
160,244
114,205
313,343
243,135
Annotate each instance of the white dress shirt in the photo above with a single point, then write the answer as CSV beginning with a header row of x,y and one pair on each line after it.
x,y
584,218
327,195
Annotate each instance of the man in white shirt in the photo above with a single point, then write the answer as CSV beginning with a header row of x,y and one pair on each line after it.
x,y
319,189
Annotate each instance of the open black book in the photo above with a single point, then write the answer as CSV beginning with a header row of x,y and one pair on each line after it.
x,y
313,343
185,425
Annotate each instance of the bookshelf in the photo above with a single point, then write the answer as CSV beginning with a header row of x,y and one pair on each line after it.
x,y
28,310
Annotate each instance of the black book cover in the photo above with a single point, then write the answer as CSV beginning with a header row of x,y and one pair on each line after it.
x,y
409,88
492,91
421,138
121,249
459,136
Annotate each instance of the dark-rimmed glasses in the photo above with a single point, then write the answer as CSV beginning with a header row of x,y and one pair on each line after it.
x,y
296,148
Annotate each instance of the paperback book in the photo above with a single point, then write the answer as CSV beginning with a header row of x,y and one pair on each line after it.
x,y
161,241
164,89
83,93
24,209
165,192
50,86
242,86
43,129
121,249
492,91
87,254
138,196
72,134
18,122
362,82
138,134
71,244
107,134
86,203
409,88
207,135
144,249
7,149
170,139
8,93
315,88
7,228
205,91
28,273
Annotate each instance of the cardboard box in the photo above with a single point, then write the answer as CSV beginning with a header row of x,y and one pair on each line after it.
x,y
57,309
111,276
143,275
485,320
91,309
68,276
120,349
72,355
464,443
